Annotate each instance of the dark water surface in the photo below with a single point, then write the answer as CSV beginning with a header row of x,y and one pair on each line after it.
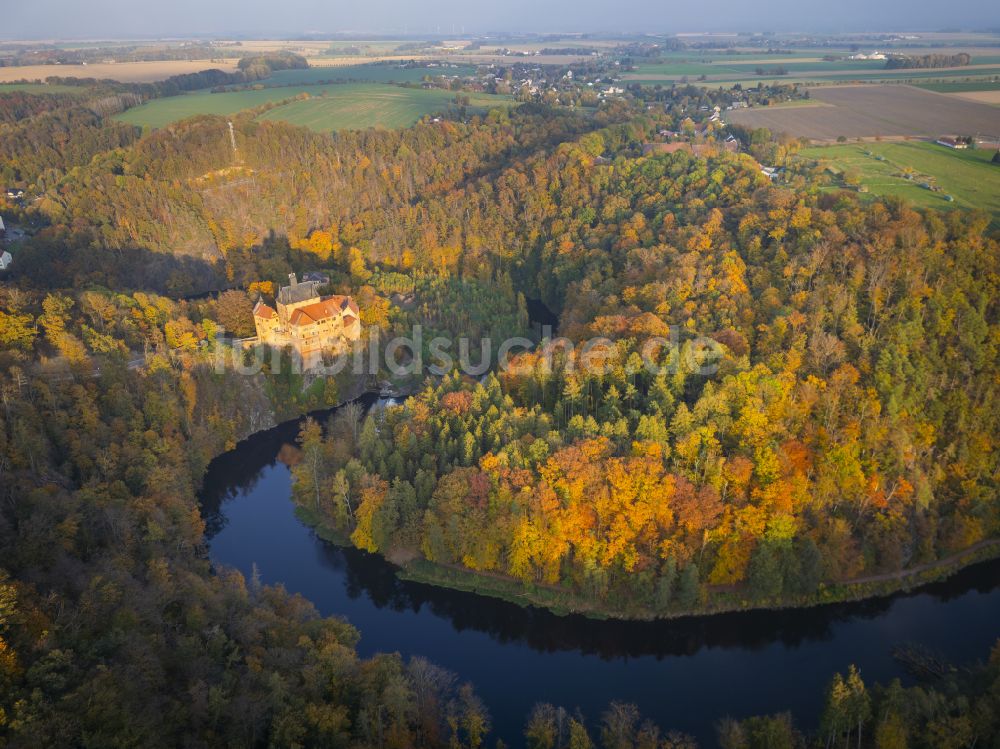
x,y
684,674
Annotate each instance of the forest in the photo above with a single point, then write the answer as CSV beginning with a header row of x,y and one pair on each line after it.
x,y
928,61
847,432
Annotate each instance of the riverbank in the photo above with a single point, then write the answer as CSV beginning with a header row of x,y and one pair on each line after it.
x,y
717,601
559,601
685,672
411,566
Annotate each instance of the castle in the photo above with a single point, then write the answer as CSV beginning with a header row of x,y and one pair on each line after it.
x,y
306,321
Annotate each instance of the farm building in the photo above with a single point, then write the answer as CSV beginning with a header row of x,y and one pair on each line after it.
x,y
876,55
949,142
315,277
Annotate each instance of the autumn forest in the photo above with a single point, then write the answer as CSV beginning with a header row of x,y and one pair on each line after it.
x,y
843,444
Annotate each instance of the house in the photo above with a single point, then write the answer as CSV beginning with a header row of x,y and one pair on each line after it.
x,y
306,321
5,260
949,142
15,193
315,277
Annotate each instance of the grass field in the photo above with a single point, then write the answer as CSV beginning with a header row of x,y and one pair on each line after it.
x,y
162,112
332,107
356,106
39,88
368,72
961,87
967,176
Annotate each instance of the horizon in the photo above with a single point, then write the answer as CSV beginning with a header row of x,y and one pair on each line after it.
x,y
115,20
501,34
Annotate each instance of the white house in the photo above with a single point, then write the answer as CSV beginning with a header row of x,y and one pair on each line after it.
x,y
5,260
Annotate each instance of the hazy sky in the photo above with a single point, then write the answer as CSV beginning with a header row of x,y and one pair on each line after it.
x,y
102,18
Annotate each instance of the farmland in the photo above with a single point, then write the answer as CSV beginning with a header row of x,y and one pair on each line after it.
x,y
329,107
800,66
986,97
125,72
910,169
873,111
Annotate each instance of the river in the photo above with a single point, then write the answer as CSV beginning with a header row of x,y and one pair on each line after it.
x,y
684,674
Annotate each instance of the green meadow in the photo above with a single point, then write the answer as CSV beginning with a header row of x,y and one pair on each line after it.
x,y
967,176
368,73
357,106
330,107
39,88
961,87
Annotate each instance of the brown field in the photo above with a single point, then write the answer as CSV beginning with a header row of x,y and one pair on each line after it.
x,y
872,111
986,97
459,58
279,45
125,72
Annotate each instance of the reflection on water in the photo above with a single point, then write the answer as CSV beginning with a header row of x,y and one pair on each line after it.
x,y
684,673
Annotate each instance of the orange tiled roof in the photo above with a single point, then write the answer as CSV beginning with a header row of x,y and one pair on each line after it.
x,y
329,307
262,310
